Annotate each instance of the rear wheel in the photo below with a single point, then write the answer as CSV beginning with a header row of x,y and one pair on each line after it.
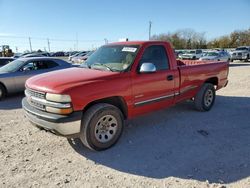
x,y
2,92
101,126
205,98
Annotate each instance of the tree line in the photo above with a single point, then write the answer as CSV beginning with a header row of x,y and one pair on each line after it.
x,y
190,39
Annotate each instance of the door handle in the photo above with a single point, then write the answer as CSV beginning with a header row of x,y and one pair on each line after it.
x,y
170,77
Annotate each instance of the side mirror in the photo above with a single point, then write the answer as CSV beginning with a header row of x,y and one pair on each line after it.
x,y
147,68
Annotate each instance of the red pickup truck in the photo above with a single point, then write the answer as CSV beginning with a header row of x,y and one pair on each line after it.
x,y
118,81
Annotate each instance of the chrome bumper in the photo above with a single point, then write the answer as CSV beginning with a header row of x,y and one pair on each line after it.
x,y
68,126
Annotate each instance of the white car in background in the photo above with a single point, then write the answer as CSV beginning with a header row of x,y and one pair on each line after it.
x,y
241,53
216,55
191,54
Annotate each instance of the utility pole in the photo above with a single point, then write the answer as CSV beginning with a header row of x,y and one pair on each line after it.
x,y
48,45
77,41
149,30
106,41
16,49
30,45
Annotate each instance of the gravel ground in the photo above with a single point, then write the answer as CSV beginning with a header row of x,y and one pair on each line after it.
x,y
175,147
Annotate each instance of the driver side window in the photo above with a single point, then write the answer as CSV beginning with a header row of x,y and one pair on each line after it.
x,y
29,67
38,65
156,54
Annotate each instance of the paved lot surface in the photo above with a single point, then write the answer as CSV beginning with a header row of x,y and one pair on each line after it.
x,y
176,147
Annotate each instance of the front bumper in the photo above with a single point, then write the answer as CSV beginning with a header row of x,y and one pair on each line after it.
x,y
63,125
239,58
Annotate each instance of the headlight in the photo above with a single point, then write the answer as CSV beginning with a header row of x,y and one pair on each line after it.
x,y
58,97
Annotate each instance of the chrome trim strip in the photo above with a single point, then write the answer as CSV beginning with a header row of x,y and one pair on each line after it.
x,y
165,96
153,100
49,103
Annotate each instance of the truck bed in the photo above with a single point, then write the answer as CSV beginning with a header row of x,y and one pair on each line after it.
x,y
192,74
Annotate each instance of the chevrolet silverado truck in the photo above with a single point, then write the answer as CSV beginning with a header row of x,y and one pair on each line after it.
x,y
241,53
118,81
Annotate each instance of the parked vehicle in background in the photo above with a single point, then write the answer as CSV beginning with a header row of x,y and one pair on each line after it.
x,y
5,60
17,55
241,53
75,54
191,54
179,53
35,54
216,56
58,54
119,81
14,74
32,55
76,58
82,59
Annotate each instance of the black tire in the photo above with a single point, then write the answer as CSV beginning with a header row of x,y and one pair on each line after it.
x,y
91,122
2,92
246,60
205,98
231,60
194,58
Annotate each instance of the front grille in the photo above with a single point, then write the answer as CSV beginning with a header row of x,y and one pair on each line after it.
x,y
239,54
36,104
36,94
32,95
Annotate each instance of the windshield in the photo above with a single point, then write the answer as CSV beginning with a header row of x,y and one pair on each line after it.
x,y
113,58
212,54
242,48
12,66
191,52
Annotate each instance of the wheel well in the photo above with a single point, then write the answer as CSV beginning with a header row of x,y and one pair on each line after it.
x,y
213,81
119,102
4,87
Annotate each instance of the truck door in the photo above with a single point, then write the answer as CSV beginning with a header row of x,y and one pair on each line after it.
x,y
153,90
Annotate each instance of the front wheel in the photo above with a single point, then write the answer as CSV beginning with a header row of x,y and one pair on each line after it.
x,y
2,92
101,126
246,60
205,98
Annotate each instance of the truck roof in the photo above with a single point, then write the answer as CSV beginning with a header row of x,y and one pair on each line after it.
x,y
136,42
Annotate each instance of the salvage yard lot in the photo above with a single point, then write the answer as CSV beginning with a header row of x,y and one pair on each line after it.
x,y
175,147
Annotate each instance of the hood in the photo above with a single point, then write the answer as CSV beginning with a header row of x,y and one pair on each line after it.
x,y
59,81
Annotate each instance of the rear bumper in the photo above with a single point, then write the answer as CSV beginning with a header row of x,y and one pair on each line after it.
x,y
68,126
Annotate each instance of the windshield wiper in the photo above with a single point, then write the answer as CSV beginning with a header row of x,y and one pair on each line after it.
x,y
104,65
